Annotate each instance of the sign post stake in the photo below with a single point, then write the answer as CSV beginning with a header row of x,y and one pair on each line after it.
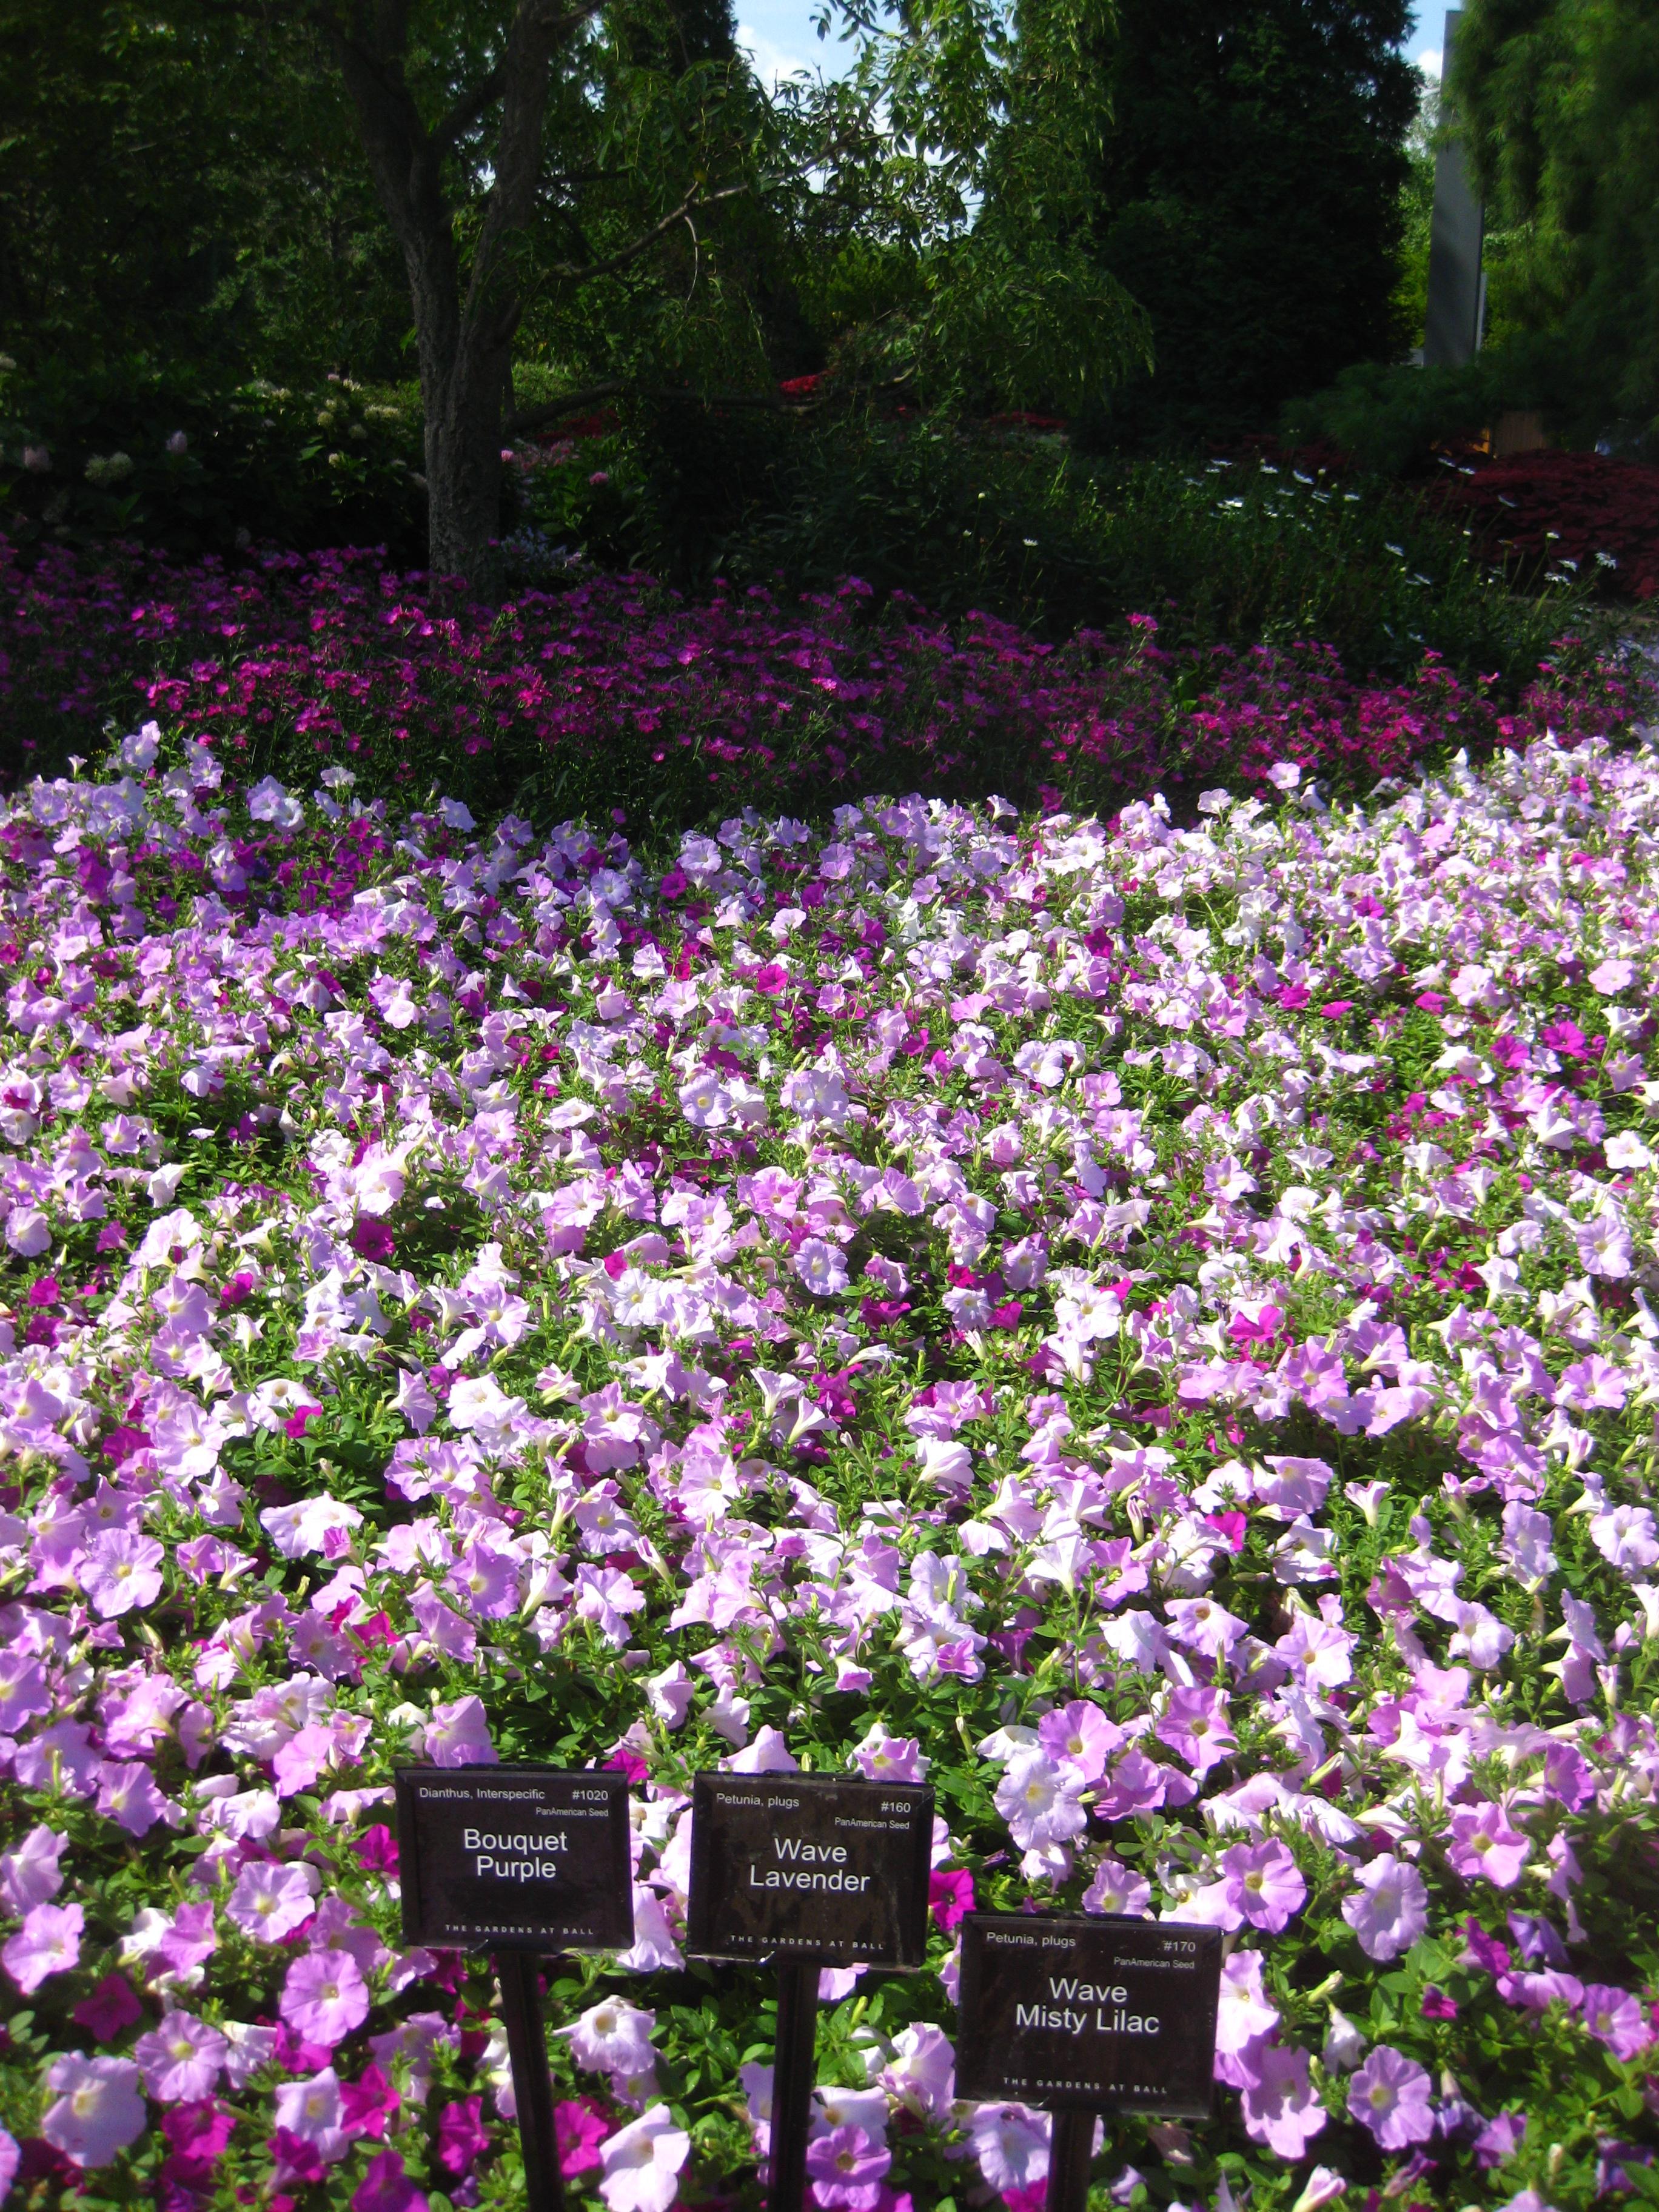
x,y
1085,2017
1071,2151
806,1871
792,2080
528,1863
532,2079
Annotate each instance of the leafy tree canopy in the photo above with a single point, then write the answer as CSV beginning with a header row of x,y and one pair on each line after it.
x,y
1247,194
1559,102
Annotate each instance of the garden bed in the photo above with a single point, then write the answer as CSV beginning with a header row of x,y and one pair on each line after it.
x,y
1580,513
599,691
1147,1328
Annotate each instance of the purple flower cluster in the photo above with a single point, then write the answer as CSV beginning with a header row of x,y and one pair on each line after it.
x,y
333,657
1146,1328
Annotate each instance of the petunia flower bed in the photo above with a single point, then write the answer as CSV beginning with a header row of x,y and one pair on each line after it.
x,y
1145,1327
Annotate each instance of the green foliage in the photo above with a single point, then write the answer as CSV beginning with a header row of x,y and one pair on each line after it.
x,y
1410,302
1016,524
176,183
176,458
947,253
1560,102
1248,197
1390,418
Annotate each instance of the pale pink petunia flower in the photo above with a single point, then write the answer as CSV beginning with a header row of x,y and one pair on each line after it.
x,y
1040,1800
921,2073
128,1796
1011,2142
97,2111
1244,2019
1117,1889
1483,1845
1615,2018
48,1942
1391,1910
325,1998
1390,2095
845,2169
642,2163
269,1901
613,2037
32,1874
181,2059
1265,1883
820,1266
121,1572
311,2109
1080,1734
458,1734
1281,2108
884,1757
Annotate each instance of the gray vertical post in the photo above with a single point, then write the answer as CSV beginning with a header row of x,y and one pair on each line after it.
x,y
1452,334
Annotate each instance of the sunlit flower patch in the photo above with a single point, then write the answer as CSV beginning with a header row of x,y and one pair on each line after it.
x,y
1147,1329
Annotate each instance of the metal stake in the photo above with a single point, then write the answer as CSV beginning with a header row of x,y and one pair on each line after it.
x,y
792,2080
1070,2152
532,2082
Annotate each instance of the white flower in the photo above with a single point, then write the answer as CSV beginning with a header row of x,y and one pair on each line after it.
x,y
27,1231
270,801
1605,1248
1612,977
1011,2142
1625,1536
138,751
295,1530
1048,1061
479,1403
818,1094
1626,1149
642,2163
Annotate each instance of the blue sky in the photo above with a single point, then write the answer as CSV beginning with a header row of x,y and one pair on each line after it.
x,y
780,35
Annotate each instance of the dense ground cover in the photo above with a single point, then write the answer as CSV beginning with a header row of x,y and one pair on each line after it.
x,y
598,690
1148,1328
1577,512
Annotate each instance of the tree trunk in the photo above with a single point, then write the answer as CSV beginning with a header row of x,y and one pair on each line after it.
x,y
463,331
463,408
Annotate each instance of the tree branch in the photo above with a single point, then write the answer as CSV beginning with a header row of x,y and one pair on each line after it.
x,y
558,27
555,411
530,419
466,112
574,270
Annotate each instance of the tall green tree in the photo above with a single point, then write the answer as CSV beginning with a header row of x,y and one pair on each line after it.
x,y
1558,100
1247,185
177,187
952,227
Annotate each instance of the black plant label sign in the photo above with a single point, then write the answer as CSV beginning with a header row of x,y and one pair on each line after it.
x,y
1107,2015
514,1858
810,1867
